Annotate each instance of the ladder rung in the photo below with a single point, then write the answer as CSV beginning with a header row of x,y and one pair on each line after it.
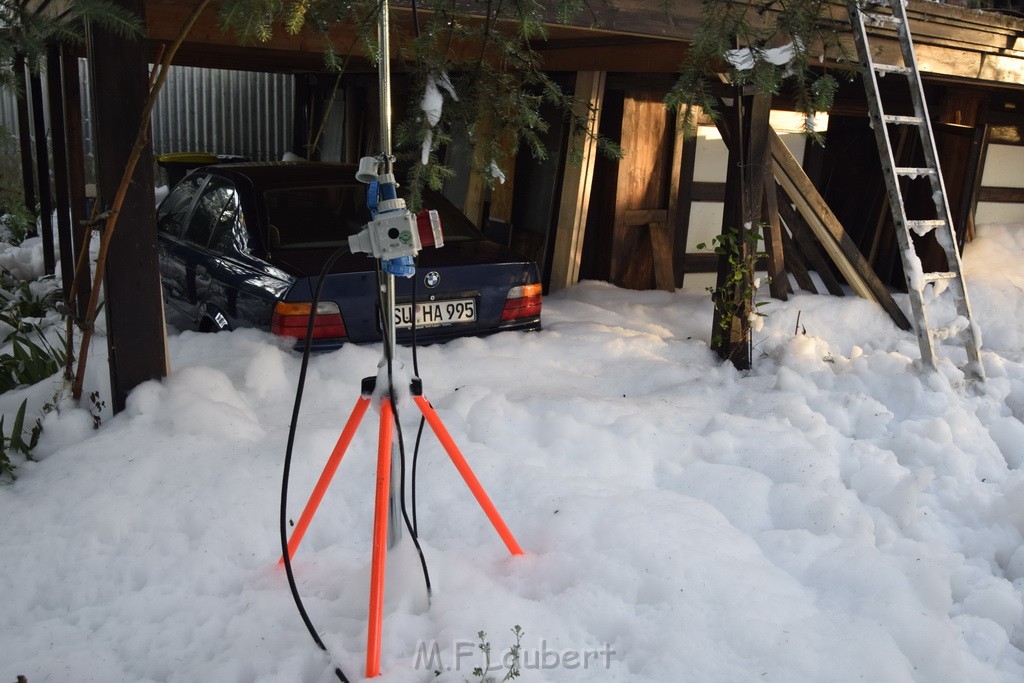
x,y
935,277
924,227
875,19
890,69
913,172
954,329
903,120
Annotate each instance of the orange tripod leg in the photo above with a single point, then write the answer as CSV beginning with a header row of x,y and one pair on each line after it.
x,y
325,477
375,626
467,474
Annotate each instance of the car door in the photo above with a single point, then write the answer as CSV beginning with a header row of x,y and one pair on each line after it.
x,y
189,259
242,288
172,218
215,212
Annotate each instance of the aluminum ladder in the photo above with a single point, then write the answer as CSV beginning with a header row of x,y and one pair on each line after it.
x,y
863,15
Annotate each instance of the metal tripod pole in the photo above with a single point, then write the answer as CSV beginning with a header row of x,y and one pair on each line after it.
x,y
388,281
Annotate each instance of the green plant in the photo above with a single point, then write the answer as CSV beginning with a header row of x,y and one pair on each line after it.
x,y
24,308
16,443
16,221
30,28
20,299
734,295
29,362
512,658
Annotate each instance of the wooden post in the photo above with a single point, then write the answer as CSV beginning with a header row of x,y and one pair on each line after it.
x,y
43,170
72,92
730,335
747,134
576,184
684,202
28,182
778,282
657,223
61,192
136,340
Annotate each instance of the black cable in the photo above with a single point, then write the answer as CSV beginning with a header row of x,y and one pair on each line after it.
x,y
401,441
423,421
288,462
415,461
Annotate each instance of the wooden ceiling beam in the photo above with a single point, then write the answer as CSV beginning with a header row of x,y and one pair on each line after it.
x,y
628,36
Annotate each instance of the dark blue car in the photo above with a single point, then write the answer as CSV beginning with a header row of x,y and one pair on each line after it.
x,y
241,245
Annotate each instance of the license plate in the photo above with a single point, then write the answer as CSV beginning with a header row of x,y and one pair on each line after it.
x,y
433,313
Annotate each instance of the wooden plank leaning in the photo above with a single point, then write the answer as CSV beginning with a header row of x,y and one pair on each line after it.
x,y
829,231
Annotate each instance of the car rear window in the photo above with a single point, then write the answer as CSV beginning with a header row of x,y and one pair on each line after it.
x,y
327,215
313,216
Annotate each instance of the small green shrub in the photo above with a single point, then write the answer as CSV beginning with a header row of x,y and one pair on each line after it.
x,y
17,223
24,309
514,653
16,442
26,312
736,311
29,362
20,299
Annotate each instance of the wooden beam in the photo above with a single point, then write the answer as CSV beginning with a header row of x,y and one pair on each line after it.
x,y
778,283
661,253
43,169
645,216
656,221
830,232
707,192
61,190
796,265
701,262
576,183
502,193
756,164
642,182
805,242
473,205
1003,195
72,89
687,165
136,335
613,54
28,182
629,36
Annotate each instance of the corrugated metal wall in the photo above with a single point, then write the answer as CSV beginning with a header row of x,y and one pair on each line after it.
x,y
225,112
240,113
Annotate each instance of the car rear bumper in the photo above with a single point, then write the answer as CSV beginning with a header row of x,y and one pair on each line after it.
x,y
427,336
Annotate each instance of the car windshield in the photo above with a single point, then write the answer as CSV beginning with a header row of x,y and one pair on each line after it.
x,y
327,215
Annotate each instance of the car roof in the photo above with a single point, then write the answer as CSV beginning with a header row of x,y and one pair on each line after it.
x,y
286,173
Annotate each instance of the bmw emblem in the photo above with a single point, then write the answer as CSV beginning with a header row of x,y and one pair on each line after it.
x,y
432,279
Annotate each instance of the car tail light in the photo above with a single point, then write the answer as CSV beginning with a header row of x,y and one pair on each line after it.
x,y
292,320
522,302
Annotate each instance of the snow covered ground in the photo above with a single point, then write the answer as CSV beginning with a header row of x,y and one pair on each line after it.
x,y
832,515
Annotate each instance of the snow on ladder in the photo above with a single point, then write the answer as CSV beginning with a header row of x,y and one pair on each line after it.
x,y
862,15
